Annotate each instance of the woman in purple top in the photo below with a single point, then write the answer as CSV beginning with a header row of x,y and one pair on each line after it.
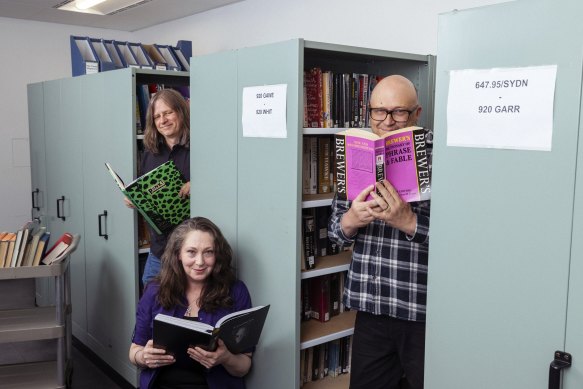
x,y
197,282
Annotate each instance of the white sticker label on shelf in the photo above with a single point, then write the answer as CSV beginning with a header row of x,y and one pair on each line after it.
x,y
264,111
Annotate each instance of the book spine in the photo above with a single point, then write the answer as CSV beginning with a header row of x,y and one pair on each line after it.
x,y
313,165
324,184
309,240
322,214
407,165
354,97
320,289
340,165
306,165
335,100
309,363
313,98
316,364
379,163
302,367
326,123
306,307
364,116
334,294
346,96
422,163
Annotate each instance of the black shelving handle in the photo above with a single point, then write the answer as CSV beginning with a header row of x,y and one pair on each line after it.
x,y
62,202
104,216
562,360
36,191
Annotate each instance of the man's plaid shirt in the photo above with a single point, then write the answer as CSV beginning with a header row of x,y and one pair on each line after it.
x,y
388,272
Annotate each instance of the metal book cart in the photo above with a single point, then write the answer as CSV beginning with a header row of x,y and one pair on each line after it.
x,y
39,323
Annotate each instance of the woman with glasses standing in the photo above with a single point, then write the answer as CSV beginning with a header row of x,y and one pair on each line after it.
x,y
166,137
387,279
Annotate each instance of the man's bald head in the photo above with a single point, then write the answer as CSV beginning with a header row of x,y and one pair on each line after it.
x,y
394,93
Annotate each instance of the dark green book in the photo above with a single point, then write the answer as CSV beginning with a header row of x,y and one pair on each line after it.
x,y
155,196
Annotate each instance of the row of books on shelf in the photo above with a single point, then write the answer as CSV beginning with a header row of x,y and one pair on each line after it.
x,y
321,297
325,360
334,99
315,242
317,164
94,55
144,93
29,246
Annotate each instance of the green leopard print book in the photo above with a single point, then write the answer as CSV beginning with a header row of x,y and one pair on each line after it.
x,y
155,196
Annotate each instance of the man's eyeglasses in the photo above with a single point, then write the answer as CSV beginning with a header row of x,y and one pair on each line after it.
x,y
163,115
398,115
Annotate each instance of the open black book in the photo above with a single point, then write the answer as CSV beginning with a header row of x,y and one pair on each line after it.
x,y
239,330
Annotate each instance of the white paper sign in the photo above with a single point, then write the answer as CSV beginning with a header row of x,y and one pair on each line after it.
x,y
264,111
506,108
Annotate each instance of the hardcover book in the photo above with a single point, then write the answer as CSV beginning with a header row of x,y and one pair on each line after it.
x,y
320,298
23,237
155,196
401,157
68,250
41,248
309,237
6,242
58,248
29,257
11,239
240,331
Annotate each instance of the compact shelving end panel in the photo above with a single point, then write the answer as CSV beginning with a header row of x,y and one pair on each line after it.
x,y
252,186
77,125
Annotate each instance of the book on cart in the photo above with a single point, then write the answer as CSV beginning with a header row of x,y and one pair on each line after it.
x,y
401,157
240,331
60,245
156,196
68,250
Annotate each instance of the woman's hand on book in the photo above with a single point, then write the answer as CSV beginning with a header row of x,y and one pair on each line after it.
x,y
128,203
185,190
153,358
236,364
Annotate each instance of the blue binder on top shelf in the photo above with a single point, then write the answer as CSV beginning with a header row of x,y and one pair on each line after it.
x,y
126,55
103,56
141,56
183,52
113,53
168,55
156,57
83,57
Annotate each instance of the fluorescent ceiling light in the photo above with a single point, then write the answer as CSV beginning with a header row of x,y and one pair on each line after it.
x,y
84,4
100,7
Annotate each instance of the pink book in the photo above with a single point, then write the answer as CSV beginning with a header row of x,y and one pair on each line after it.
x,y
362,158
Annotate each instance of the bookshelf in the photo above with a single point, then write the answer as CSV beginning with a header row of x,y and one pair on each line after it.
x,y
76,125
257,184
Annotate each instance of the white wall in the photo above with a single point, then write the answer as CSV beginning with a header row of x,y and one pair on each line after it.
x,y
408,26
30,52
34,51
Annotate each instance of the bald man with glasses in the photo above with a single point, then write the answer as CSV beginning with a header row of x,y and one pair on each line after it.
x,y
387,279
